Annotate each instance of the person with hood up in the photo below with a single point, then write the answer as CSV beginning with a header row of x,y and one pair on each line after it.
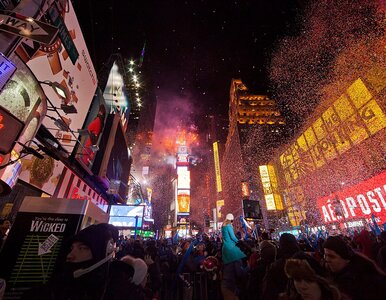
x,y
90,270
306,284
381,251
275,281
353,273
268,253
233,271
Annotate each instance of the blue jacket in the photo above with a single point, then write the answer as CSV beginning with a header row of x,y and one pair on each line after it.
x,y
230,252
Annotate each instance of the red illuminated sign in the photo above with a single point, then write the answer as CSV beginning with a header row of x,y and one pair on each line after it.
x,y
357,202
13,126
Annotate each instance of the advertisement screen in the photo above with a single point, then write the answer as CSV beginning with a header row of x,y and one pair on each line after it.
x,y
116,95
183,201
183,181
217,167
68,63
357,202
92,131
124,215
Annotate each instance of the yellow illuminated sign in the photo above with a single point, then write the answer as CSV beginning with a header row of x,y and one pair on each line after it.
x,y
351,119
219,204
217,166
269,181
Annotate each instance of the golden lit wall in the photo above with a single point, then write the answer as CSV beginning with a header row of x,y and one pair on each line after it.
x,y
351,119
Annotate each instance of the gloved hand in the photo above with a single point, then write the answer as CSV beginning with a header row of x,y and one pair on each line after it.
x,y
148,260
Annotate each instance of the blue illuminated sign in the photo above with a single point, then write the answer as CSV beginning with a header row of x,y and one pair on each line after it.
x,y
7,68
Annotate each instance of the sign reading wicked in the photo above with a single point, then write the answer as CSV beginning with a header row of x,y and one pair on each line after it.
x,y
36,245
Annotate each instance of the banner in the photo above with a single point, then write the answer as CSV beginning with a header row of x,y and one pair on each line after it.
x,y
357,202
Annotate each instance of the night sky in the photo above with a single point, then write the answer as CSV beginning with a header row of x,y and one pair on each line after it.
x,y
193,48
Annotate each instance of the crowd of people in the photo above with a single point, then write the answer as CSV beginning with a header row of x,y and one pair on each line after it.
x,y
100,264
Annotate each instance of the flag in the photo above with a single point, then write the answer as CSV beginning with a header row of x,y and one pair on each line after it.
x,y
376,227
175,238
142,56
372,229
384,226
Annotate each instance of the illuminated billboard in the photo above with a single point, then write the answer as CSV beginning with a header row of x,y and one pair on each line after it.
x,y
183,201
219,205
217,167
245,189
116,95
270,189
357,202
125,215
68,63
353,117
93,128
183,180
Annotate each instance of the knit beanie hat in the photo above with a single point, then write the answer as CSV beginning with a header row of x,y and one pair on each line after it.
x,y
338,245
267,250
288,244
96,237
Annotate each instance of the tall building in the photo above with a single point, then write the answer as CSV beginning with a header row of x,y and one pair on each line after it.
x,y
256,127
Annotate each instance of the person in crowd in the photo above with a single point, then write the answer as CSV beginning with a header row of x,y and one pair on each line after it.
x,y
268,254
365,243
353,273
381,251
5,225
275,280
306,284
154,271
233,270
90,270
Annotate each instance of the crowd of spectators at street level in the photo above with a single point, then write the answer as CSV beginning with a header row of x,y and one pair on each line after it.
x,y
335,267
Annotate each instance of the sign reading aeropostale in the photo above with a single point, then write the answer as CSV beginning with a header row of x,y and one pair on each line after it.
x,y
357,202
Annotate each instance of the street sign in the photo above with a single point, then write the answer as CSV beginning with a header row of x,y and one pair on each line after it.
x,y
28,27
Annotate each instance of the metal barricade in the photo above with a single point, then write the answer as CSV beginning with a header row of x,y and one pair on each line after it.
x,y
190,286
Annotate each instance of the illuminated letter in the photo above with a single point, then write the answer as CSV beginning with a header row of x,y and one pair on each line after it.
x,y
351,205
376,206
331,210
327,217
379,193
363,204
345,212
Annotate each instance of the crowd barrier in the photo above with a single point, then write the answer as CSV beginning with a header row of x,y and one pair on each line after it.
x,y
190,286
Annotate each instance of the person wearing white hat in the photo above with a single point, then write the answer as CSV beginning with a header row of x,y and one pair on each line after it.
x,y
231,256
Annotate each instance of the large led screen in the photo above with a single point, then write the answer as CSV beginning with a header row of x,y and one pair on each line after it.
x,y
124,215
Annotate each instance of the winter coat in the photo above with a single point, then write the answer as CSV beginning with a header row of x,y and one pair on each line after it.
x,y
360,280
230,252
103,283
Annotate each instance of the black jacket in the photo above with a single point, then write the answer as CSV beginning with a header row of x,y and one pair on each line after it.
x,y
108,282
360,280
